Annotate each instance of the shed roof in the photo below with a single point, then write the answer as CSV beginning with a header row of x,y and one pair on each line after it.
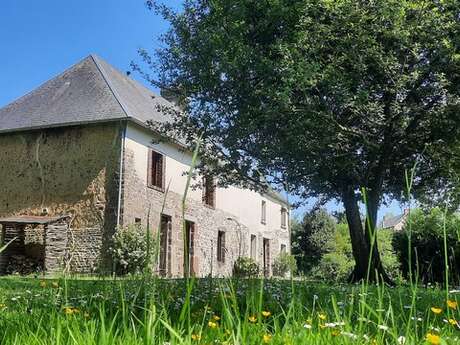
x,y
38,220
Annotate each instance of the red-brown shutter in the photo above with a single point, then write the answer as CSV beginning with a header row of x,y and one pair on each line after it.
x,y
149,167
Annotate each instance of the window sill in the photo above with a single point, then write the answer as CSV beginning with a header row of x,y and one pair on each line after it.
x,y
159,189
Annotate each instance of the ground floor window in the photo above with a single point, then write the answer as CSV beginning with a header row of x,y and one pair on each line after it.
x,y
221,246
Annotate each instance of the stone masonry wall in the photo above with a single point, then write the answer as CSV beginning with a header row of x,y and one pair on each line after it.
x,y
65,171
138,199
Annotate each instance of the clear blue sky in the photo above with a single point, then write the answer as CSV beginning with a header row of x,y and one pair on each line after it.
x,y
40,39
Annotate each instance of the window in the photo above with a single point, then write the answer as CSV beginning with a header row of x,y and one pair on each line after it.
x,y
283,217
209,191
221,246
283,249
189,265
263,218
156,170
137,221
253,247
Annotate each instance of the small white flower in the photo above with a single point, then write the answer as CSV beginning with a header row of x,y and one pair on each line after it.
x,y
350,335
307,326
401,340
383,327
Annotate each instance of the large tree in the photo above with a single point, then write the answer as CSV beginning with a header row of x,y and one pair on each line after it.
x,y
325,98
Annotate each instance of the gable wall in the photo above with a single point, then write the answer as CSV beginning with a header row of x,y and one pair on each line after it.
x,y
67,170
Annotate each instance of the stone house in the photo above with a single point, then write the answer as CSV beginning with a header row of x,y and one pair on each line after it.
x,y
395,223
77,161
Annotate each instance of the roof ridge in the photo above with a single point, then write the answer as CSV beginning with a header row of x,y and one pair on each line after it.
x,y
115,94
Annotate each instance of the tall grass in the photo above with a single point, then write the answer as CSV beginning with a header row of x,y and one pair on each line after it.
x,y
148,310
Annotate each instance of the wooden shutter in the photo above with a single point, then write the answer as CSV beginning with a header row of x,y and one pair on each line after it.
x,y
149,168
223,247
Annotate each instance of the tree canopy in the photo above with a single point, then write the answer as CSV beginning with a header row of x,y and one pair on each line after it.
x,y
324,98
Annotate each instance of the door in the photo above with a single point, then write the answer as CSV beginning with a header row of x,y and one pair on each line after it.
x,y
266,257
189,267
165,246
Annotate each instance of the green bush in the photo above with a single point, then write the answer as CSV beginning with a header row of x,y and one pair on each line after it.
x,y
426,230
338,263
131,250
245,267
283,264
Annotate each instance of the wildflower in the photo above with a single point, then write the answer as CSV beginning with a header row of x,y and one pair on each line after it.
x,y
454,322
335,333
433,339
43,284
452,304
71,310
401,340
55,285
322,316
436,310
382,327
266,313
252,319
2,306
216,318
267,338
196,337
307,326
330,324
350,335
212,324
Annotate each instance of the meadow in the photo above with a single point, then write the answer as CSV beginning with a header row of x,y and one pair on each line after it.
x,y
222,311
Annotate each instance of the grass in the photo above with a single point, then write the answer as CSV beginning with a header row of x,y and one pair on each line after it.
x,y
139,311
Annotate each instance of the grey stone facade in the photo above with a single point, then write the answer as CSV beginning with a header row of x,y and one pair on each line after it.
x,y
142,202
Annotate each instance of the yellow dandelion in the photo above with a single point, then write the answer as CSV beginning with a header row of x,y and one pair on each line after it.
x,y
252,319
212,324
196,337
335,333
433,339
216,318
322,316
68,310
266,313
2,306
43,284
436,310
452,304
55,285
267,338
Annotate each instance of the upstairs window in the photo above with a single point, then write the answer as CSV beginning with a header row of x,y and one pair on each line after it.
x,y
209,191
156,170
221,246
283,218
263,211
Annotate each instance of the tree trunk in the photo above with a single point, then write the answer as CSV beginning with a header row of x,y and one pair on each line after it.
x,y
368,265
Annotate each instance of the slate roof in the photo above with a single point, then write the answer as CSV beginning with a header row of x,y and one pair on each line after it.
x,y
89,91
392,221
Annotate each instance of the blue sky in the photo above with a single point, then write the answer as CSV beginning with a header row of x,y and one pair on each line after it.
x,y
40,39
